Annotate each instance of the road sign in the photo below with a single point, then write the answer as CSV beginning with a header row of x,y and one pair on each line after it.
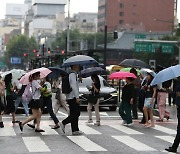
x,y
15,60
152,47
140,36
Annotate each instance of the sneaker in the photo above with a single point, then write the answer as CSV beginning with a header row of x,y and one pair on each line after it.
x,y
130,124
62,127
31,126
1,125
89,121
124,122
97,123
76,133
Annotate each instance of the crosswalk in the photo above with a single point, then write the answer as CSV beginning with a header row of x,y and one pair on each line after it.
x,y
111,137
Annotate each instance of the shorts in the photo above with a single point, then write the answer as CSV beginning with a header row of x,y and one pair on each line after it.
x,y
35,104
10,108
148,104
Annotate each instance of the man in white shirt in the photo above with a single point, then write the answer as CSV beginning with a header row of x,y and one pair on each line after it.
x,y
74,103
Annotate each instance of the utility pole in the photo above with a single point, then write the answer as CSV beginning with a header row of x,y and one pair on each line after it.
x,y
105,36
68,26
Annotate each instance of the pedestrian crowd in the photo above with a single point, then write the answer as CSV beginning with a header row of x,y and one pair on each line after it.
x,y
136,94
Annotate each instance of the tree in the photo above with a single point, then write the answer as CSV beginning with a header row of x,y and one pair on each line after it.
x,y
19,46
76,37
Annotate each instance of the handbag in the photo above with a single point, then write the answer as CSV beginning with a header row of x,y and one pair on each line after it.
x,y
92,98
13,95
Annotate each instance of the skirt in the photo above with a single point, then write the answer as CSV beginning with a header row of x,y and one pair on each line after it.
x,y
35,104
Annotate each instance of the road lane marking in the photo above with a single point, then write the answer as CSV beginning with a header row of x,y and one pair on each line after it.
x,y
7,131
49,131
125,130
165,130
35,144
129,141
85,143
88,130
169,139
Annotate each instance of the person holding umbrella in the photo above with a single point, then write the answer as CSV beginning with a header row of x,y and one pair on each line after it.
x,y
128,93
73,101
94,99
150,96
35,103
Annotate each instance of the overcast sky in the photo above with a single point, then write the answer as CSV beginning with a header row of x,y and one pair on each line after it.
x,y
76,6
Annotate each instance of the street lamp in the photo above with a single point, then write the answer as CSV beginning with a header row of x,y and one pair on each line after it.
x,y
167,21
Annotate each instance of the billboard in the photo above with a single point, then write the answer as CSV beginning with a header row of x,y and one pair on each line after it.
x,y
15,60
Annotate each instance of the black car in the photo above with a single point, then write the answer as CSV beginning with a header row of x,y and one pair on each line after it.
x,y
108,95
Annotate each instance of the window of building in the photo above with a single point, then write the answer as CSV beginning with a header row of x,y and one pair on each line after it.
x,y
121,22
101,7
84,20
121,14
121,5
101,15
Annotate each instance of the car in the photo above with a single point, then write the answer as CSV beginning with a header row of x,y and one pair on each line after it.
x,y
108,95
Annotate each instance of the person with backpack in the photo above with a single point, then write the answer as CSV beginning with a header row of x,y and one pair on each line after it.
x,y
47,101
70,87
10,107
34,104
21,89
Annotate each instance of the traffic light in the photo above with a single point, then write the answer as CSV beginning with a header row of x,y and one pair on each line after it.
x,y
49,50
37,55
25,54
62,52
115,35
34,50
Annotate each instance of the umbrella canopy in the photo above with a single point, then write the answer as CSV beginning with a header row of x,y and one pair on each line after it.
x,y
127,69
121,75
16,74
43,73
166,74
134,63
56,72
144,72
79,60
93,70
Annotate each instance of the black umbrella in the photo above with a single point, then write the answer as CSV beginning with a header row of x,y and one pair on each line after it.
x,y
80,60
134,63
93,70
56,72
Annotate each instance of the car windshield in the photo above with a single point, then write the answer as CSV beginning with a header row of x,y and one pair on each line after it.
x,y
88,82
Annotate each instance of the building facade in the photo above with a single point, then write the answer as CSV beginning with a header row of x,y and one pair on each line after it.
x,y
137,15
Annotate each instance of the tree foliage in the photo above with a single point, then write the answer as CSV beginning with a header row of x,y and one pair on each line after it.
x,y
18,45
76,37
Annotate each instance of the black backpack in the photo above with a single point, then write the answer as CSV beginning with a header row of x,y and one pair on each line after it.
x,y
66,87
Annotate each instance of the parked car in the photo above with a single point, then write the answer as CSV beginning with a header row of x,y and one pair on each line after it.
x,y
108,95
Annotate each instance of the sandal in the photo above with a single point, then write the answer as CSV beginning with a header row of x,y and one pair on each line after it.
x,y
159,120
16,121
55,127
147,125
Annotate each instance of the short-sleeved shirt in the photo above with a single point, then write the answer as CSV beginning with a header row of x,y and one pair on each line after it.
x,y
8,89
128,92
149,91
35,90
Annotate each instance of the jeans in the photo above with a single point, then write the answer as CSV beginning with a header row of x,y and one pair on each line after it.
x,y
125,112
47,101
25,105
73,118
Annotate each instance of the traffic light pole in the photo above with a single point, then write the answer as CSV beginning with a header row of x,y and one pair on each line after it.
x,y
105,44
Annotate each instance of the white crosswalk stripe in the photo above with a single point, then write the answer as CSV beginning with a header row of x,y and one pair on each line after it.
x,y
125,129
7,131
165,129
129,141
35,144
88,130
166,138
86,143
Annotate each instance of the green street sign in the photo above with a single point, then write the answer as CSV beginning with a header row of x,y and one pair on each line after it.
x,y
140,36
153,47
